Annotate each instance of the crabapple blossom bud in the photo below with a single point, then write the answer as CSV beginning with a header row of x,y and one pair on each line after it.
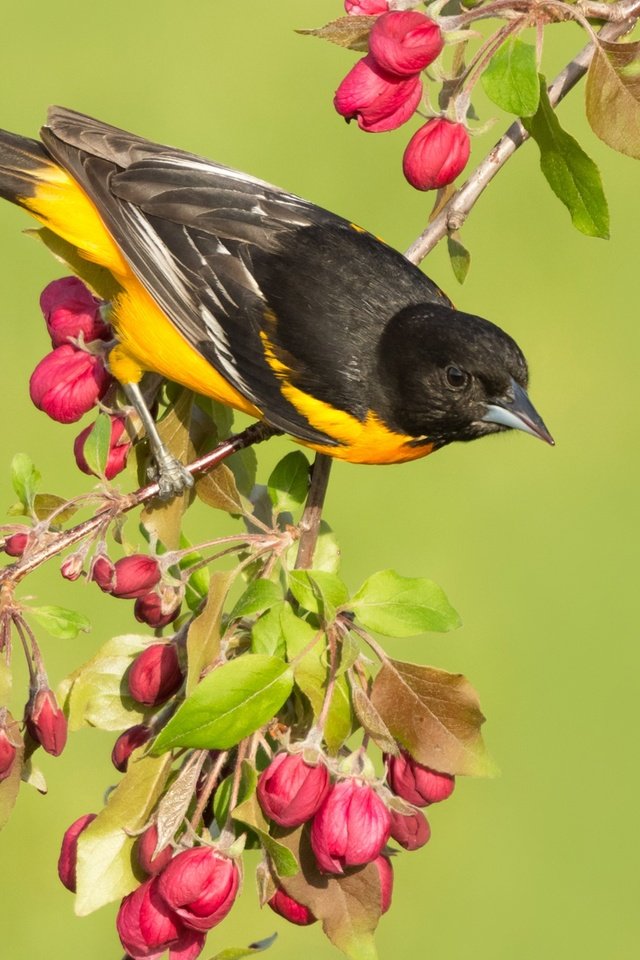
x,y
46,722
70,309
405,42
290,909
71,567
157,610
145,923
67,383
412,831
365,8
416,783
150,861
127,578
103,573
436,154
200,885
350,828
69,851
376,99
15,545
290,790
385,871
119,447
126,743
8,752
155,674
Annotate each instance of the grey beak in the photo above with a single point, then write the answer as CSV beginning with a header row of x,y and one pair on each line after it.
x,y
519,414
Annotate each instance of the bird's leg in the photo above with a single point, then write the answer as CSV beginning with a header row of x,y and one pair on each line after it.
x,y
172,477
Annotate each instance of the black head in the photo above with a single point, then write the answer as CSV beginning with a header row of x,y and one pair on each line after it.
x,y
451,376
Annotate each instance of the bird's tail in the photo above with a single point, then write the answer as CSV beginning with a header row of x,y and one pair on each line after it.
x,y
24,165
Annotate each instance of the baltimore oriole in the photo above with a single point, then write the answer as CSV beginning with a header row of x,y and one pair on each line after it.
x,y
266,302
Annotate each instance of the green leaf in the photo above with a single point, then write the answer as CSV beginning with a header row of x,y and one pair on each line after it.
x,y
289,482
434,715
571,174
230,703
59,622
203,638
25,479
218,489
105,870
266,633
402,606
237,953
613,95
511,79
350,32
244,466
260,595
459,256
45,504
249,812
318,592
96,446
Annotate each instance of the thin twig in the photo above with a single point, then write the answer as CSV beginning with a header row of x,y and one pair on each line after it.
x,y
624,15
310,522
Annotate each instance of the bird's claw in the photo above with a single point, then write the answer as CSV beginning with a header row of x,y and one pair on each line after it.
x,y
171,477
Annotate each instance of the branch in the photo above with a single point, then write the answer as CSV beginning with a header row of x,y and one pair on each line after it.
x,y
622,18
310,522
56,543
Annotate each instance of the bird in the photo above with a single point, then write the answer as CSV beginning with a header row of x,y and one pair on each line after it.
x,y
274,306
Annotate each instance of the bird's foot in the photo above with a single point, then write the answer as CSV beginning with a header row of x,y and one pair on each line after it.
x,y
170,475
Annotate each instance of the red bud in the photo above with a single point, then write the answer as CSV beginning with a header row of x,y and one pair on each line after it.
x,y
69,851
146,925
412,831
71,567
290,909
200,885
119,447
127,578
15,545
70,309
416,783
385,872
365,8
67,383
436,154
8,749
150,861
46,722
155,674
290,790
126,743
156,610
405,42
375,98
350,828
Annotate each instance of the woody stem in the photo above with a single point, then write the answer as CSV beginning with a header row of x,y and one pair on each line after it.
x,y
312,516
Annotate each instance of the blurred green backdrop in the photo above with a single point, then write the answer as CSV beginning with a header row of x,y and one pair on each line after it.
x,y
536,547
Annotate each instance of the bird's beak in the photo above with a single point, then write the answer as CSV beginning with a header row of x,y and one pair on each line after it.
x,y
519,414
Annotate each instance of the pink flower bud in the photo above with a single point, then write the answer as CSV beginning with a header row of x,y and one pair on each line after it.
x,y
385,872
126,743
412,831
200,885
127,578
71,567
365,8
146,925
405,42
155,674
8,752
436,154
290,909
16,544
375,98
150,861
46,722
119,447
67,383
290,790
350,828
416,783
103,573
156,610
69,851
70,309
188,946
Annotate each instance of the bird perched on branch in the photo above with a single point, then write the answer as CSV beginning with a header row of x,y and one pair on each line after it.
x,y
264,301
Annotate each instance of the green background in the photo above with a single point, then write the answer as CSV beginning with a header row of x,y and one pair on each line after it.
x,y
536,547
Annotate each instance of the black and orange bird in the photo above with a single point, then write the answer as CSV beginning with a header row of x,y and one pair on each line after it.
x,y
264,301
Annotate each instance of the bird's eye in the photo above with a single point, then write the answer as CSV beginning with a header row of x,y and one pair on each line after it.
x,y
455,376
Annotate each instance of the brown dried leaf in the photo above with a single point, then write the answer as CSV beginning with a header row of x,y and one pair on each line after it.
x,y
203,639
348,906
175,803
613,96
434,715
371,720
218,489
350,32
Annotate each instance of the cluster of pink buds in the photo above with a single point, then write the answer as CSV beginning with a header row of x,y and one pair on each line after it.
x,y
136,577
184,896
384,89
